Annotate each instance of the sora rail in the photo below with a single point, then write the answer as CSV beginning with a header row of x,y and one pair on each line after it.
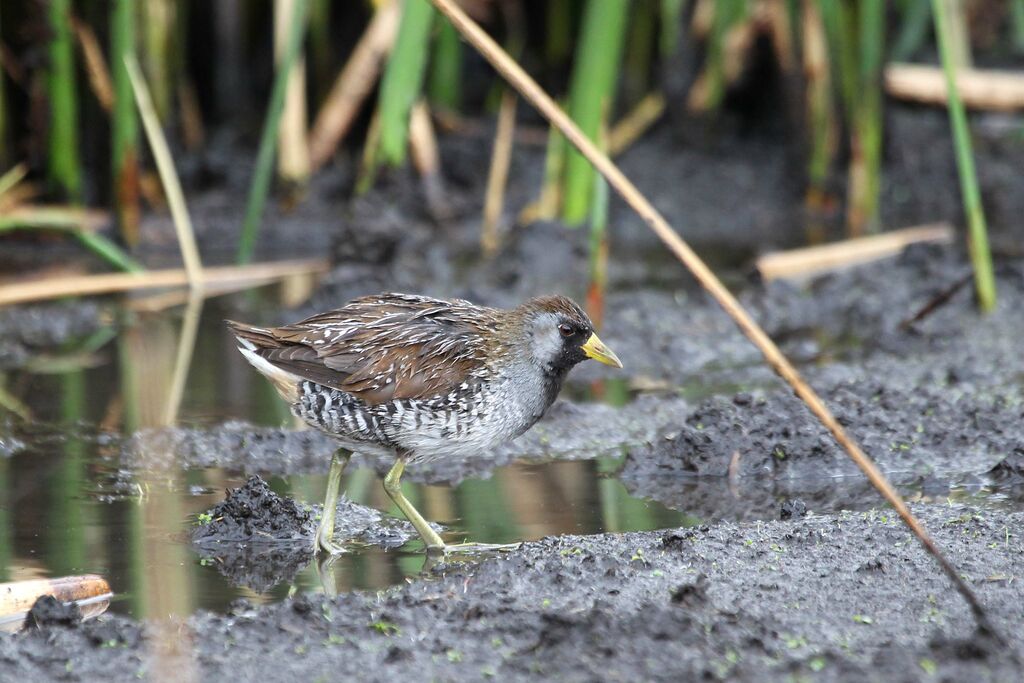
x,y
418,378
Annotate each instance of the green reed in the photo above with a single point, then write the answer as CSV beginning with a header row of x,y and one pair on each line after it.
x,y
728,13
1017,21
402,81
981,258
592,94
124,125
915,21
856,35
65,171
445,85
265,157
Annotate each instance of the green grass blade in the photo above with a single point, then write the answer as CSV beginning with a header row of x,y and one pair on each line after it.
x,y
446,68
981,258
268,141
1017,17
403,79
916,17
124,127
591,94
671,26
108,251
64,164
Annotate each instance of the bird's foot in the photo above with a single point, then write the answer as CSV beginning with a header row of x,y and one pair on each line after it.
x,y
323,543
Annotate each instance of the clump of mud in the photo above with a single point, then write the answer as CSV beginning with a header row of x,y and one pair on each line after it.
x,y
254,512
258,539
49,611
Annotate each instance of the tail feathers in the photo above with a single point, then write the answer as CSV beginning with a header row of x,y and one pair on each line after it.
x,y
253,337
251,340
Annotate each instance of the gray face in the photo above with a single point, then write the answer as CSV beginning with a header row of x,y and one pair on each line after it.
x,y
556,340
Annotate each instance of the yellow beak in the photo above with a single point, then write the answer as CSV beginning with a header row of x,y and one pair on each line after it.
x,y
595,348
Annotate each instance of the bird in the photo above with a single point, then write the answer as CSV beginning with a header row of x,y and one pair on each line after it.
x,y
416,379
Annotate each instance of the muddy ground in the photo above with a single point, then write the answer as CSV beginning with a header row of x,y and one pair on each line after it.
x,y
841,593
836,597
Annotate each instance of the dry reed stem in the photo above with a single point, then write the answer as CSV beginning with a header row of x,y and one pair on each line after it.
x,y
497,176
183,355
354,84
19,596
979,89
423,142
95,64
534,94
809,261
168,176
109,283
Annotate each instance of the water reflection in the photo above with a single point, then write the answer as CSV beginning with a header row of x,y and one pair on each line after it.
x,y
67,507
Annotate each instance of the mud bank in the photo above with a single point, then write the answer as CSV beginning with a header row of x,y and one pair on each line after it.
x,y
568,431
258,539
838,597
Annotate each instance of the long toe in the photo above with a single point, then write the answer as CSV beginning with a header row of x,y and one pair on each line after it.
x,y
325,544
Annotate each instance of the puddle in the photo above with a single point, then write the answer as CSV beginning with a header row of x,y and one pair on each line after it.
x,y
66,507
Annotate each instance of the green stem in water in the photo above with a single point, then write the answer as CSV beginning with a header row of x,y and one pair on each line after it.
x,y
268,141
64,164
981,258
403,79
591,94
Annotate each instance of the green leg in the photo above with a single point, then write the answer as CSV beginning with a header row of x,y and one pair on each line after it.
x,y
393,486
325,532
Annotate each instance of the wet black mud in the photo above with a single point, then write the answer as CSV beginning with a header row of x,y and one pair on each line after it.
x,y
259,539
836,597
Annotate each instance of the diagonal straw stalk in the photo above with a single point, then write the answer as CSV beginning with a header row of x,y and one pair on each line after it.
x,y
534,94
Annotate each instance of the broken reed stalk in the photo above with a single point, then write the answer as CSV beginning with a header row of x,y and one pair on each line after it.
x,y
534,94
95,66
354,84
403,79
445,85
80,223
124,126
293,165
989,90
168,176
265,157
592,95
65,171
110,283
497,176
12,177
981,258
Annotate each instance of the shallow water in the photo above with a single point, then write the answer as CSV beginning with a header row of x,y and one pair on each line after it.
x,y
66,507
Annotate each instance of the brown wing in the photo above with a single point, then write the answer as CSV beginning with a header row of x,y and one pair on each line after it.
x,y
383,347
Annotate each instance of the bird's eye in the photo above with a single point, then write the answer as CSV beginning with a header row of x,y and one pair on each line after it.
x,y
566,330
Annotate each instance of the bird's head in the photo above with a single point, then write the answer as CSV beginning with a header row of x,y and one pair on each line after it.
x,y
559,334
